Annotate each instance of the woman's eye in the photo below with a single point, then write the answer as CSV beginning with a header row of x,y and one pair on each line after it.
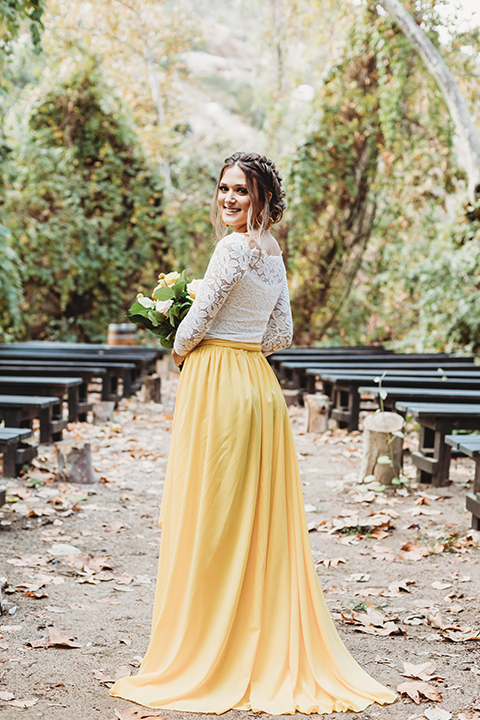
x,y
222,188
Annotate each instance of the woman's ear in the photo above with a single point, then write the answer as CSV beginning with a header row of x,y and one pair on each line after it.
x,y
270,196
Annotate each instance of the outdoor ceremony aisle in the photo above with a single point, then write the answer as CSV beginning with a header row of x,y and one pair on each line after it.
x,y
400,572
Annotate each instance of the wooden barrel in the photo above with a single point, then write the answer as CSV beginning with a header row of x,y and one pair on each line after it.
x,y
122,334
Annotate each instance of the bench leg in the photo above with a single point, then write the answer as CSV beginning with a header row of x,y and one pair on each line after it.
x,y
9,468
426,446
45,417
127,383
473,499
442,453
73,402
354,408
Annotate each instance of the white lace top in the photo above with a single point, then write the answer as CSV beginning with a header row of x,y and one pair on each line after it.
x,y
243,297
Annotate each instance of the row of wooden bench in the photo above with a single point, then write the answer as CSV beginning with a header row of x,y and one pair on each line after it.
x,y
36,378
441,391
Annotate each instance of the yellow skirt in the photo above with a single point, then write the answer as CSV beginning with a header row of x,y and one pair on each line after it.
x,y
239,619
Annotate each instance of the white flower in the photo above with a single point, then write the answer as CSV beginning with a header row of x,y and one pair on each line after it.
x,y
146,302
163,306
192,288
171,278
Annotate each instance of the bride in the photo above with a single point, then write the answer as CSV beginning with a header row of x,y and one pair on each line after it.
x,y
239,619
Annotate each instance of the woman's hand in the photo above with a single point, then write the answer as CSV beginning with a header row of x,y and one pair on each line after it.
x,y
177,359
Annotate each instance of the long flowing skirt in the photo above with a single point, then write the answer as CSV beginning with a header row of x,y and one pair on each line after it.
x,y
239,618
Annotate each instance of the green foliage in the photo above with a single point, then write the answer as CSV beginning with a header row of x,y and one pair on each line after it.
x,y
187,210
12,14
10,287
373,160
445,292
84,207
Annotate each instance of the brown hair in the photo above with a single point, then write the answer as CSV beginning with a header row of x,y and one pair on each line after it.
x,y
265,189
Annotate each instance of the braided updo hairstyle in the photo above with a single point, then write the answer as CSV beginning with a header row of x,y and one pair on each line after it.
x,y
265,189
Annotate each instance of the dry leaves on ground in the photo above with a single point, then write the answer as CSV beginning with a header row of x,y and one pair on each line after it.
x,y
140,714
416,689
424,671
56,638
372,622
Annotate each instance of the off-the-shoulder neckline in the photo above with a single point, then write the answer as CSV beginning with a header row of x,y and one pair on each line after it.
x,y
255,249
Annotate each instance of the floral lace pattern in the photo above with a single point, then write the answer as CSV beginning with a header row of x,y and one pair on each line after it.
x,y
243,297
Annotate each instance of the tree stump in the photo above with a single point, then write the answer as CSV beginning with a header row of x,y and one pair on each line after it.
x,y
382,451
74,460
318,407
163,367
152,389
103,412
291,397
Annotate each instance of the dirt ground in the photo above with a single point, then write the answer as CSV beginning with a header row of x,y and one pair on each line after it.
x,y
400,571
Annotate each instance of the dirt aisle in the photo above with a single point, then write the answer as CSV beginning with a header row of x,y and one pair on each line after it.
x,y
401,574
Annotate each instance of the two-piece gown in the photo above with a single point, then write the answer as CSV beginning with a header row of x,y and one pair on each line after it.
x,y
239,619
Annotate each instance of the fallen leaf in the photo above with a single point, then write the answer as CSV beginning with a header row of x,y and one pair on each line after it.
x,y
37,595
123,579
64,549
419,672
56,638
437,585
115,526
359,577
24,703
6,695
104,679
415,689
122,672
96,564
436,713
134,714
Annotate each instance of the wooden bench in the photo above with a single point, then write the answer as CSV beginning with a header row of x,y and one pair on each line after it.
x,y
440,394
16,452
144,359
42,368
294,374
470,445
344,389
39,386
436,421
19,411
108,371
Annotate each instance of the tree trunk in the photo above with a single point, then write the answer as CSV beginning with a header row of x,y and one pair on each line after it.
x,y
469,139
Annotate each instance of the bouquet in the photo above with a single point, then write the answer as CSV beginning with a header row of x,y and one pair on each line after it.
x,y
162,314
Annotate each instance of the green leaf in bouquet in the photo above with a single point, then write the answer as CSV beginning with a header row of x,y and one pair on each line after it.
x,y
180,286
139,320
164,293
155,317
138,309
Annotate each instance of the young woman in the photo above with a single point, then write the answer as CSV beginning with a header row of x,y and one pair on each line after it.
x,y
239,619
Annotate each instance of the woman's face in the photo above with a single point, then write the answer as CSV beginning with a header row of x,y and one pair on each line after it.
x,y
233,199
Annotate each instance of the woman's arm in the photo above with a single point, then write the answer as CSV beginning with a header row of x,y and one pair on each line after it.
x,y
227,265
279,332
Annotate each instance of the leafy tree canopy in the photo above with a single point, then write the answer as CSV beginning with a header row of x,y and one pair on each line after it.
x,y
84,206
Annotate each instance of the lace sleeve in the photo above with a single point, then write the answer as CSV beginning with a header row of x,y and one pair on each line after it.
x,y
279,332
227,265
